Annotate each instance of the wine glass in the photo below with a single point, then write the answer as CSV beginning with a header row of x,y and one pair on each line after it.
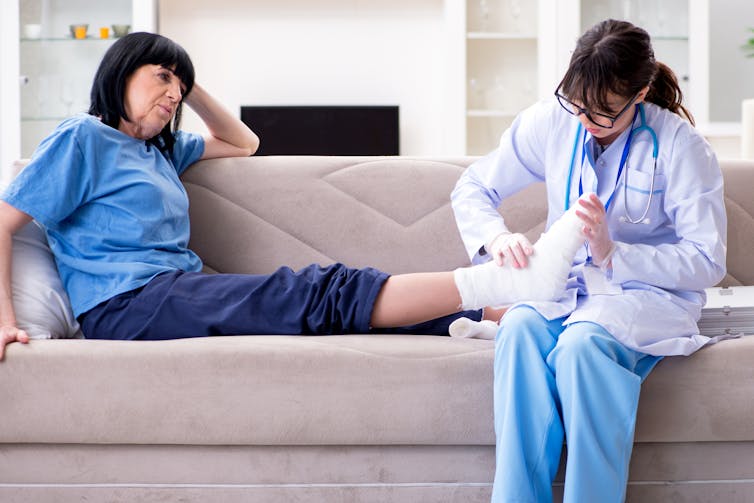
x,y
484,15
42,95
627,9
661,19
67,95
497,95
514,9
475,93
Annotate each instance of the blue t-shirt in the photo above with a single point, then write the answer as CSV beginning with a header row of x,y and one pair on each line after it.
x,y
115,212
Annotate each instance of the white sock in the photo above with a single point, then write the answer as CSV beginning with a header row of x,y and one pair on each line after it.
x,y
468,328
544,278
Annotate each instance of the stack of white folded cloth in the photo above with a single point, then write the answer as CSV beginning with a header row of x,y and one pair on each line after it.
x,y
728,311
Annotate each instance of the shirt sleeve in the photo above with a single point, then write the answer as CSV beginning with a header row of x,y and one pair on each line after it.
x,y
56,181
694,202
188,149
517,162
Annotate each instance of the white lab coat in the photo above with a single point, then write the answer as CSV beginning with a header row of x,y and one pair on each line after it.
x,y
663,266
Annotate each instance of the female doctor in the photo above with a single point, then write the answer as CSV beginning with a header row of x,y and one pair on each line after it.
x,y
654,230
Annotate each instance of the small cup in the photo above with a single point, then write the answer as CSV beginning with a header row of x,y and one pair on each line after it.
x,y
104,32
32,30
79,30
121,30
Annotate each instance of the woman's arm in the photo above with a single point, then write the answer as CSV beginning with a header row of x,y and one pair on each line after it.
x,y
11,220
517,162
229,136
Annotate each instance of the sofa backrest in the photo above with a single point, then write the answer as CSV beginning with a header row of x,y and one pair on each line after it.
x,y
252,215
739,204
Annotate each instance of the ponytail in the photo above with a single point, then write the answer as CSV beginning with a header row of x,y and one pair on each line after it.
x,y
665,92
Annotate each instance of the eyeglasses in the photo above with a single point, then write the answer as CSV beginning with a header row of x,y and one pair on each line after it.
x,y
601,120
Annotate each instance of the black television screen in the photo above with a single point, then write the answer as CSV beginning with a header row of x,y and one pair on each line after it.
x,y
324,130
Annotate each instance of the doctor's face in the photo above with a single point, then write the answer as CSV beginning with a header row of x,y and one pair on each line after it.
x,y
620,112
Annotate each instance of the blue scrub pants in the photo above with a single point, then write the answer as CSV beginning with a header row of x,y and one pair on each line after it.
x,y
313,301
553,381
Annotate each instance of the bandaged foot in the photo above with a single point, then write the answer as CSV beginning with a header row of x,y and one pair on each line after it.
x,y
544,278
470,329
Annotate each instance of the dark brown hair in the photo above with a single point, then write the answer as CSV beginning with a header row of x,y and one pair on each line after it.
x,y
617,57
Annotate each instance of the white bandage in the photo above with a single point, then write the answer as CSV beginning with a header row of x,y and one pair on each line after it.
x,y
543,279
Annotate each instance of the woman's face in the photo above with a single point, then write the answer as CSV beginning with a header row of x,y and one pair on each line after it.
x,y
617,105
152,96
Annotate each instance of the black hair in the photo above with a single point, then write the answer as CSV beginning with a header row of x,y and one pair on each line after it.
x,y
617,57
121,60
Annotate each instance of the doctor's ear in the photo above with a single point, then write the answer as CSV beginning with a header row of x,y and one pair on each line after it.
x,y
642,95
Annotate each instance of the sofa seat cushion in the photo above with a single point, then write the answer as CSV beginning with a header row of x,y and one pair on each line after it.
x,y
336,390
251,390
705,397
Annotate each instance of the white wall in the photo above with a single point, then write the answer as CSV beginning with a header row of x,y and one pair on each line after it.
x,y
731,72
324,52
10,141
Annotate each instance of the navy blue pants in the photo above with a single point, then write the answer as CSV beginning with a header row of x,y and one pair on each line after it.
x,y
313,301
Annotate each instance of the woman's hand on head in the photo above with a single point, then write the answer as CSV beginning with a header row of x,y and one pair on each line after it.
x,y
592,214
510,248
10,333
228,135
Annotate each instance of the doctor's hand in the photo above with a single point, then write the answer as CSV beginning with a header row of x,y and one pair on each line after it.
x,y
10,334
511,248
591,212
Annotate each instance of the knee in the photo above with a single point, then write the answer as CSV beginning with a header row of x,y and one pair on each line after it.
x,y
514,320
523,327
582,342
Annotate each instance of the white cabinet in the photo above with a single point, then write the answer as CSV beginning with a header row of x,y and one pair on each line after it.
x,y
501,62
47,72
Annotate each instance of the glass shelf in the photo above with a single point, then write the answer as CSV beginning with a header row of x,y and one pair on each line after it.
x,y
479,112
44,119
496,35
671,38
66,39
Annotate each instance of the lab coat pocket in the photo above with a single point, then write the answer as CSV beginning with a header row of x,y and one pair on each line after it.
x,y
643,198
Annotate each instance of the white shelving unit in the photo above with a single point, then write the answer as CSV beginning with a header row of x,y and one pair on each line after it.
x,y
47,75
500,65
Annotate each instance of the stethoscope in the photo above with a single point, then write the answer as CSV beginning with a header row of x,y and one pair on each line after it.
x,y
643,127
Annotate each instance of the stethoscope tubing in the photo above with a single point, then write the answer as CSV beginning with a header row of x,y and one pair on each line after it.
x,y
643,127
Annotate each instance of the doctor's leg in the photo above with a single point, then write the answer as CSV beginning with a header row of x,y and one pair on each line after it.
x,y
528,428
598,381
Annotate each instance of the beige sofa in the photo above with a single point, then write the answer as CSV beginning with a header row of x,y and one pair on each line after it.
x,y
352,418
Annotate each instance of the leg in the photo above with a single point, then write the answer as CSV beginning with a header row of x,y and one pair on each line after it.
x,y
543,279
406,299
598,380
528,427
410,298
314,300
